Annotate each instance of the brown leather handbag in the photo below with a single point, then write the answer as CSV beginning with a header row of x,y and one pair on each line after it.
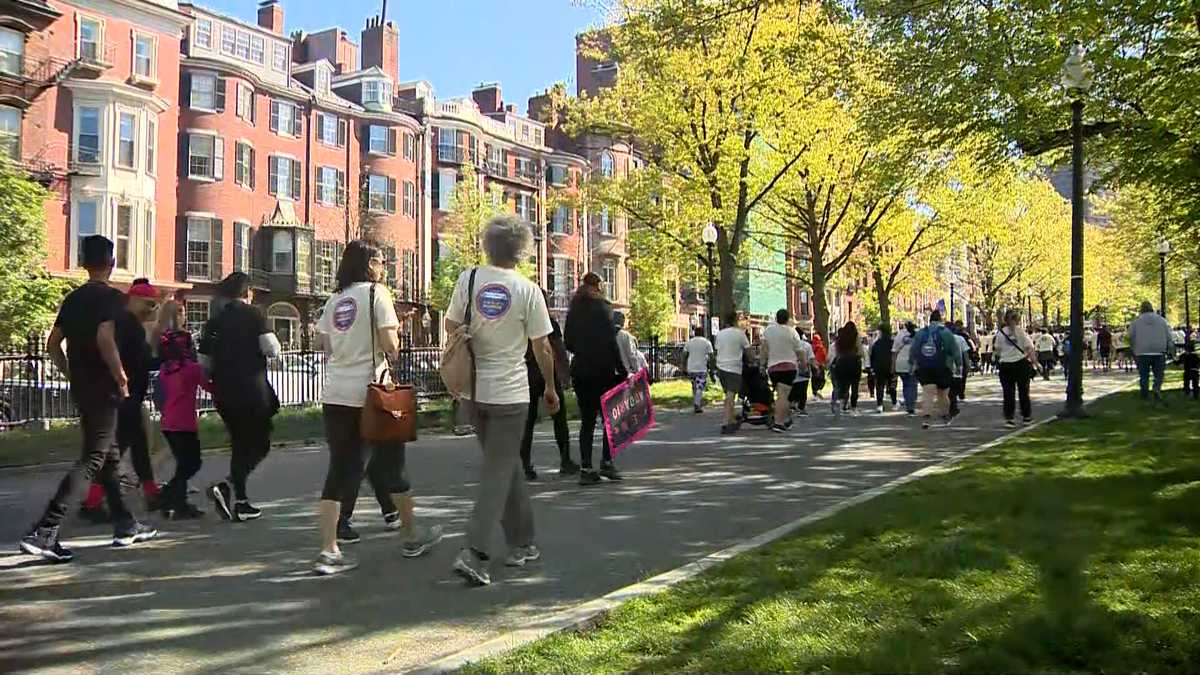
x,y
389,414
458,358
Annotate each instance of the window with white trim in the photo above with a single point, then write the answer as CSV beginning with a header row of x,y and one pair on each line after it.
x,y
286,119
607,164
124,234
199,247
151,145
91,39
126,135
204,91
376,92
258,49
87,217
282,245
606,223
608,278
526,207
284,177
381,193
243,165
331,130
285,323
380,139
143,56
279,58
245,102
410,199
12,51
228,40
148,240
87,134
10,132
560,222
321,81
204,33
206,156
331,186
196,314
326,266
241,246
410,147
241,47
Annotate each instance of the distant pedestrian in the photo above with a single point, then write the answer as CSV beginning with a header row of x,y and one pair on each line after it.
x,y
845,368
1016,359
596,367
179,379
631,356
1151,340
1104,344
1046,347
235,346
537,386
732,344
799,394
960,369
820,357
881,365
87,323
1191,370
508,311
902,364
933,353
697,352
781,351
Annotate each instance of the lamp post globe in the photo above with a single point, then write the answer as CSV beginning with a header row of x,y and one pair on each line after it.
x,y
1077,81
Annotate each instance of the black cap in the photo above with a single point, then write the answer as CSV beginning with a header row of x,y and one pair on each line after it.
x,y
97,252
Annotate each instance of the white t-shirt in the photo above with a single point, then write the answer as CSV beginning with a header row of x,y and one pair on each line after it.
x,y
1045,342
962,355
731,344
782,344
507,311
900,348
806,360
698,350
346,320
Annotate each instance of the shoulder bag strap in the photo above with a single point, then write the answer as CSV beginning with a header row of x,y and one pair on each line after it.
x,y
371,313
467,325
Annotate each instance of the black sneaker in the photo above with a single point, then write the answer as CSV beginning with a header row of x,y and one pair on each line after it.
x,y
779,428
568,468
185,511
589,477
392,520
346,533
221,495
243,511
43,542
947,420
133,533
530,474
727,429
96,516
609,471
1027,420
697,409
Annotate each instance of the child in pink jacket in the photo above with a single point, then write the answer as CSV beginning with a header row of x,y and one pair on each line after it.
x,y
179,378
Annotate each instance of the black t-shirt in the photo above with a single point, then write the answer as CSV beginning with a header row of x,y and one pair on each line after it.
x,y
135,353
239,369
79,319
1191,361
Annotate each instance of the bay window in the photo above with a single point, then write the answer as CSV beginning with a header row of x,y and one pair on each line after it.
x,y
126,132
87,212
124,231
381,194
12,51
282,245
10,132
87,136
206,156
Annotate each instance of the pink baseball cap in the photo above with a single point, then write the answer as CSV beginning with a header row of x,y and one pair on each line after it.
x,y
143,290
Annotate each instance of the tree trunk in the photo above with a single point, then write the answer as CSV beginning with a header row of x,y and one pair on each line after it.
x,y
820,303
1045,310
883,298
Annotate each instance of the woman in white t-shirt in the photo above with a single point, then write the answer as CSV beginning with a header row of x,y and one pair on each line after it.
x,y
359,330
781,351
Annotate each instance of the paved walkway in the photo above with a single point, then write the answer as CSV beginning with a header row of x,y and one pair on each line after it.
x,y
217,597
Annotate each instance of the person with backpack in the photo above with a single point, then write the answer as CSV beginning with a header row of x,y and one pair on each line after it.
x,y
179,378
1016,361
933,353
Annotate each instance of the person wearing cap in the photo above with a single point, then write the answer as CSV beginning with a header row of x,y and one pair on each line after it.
x,y
88,323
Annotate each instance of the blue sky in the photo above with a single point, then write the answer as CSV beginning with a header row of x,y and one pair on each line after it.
x,y
526,45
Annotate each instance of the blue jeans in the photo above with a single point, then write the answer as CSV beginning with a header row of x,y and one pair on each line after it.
x,y
910,391
1147,363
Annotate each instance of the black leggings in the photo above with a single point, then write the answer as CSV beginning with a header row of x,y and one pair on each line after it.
x,y
250,441
588,393
885,385
1014,382
185,445
131,435
562,433
799,394
97,462
385,469
846,376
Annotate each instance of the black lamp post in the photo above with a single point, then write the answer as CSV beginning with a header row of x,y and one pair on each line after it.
x,y
709,237
1077,79
1164,250
1029,301
1187,309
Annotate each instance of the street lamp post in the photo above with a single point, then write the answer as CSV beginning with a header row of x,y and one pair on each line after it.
x,y
1077,79
1029,300
1164,250
709,237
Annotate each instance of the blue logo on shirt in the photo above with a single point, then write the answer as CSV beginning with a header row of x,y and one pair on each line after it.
x,y
343,314
493,301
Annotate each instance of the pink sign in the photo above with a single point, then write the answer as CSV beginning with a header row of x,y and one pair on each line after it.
x,y
628,412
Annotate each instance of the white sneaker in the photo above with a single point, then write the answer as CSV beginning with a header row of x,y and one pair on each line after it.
x,y
521,555
468,566
329,563
421,541
879,409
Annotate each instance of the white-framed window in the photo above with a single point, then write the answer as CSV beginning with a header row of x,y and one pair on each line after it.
x,y
282,250
376,92
91,39
331,186
241,246
122,250
410,147
196,313
526,206
126,140
608,278
206,156
606,223
286,118
381,139
321,80
303,255
556,175
87,134
279,58
151,145
204,33
144,63
381,193
328,127
258,49
12,51
228,40
10,132
87,223
148,231
561,281
410,199
204,92
538,136
241,47
447,179
525,132
199,247
284,320
560,222
326,265
608,166
283,177
243,166
245,102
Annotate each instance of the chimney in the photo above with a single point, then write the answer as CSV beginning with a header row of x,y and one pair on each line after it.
x,y
270,16
381,47
487,97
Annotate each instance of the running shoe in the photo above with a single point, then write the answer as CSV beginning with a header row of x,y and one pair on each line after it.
x,y
346,533
185,511
925,422
589,477
392,520
221,495
568,468
421,541
43,542
697,409
947,420
779,428
1010,424
244,510
472,567
133,533
879,410
521,555
609,470
1027,420
333,563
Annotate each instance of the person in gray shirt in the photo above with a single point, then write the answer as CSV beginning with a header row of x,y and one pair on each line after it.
x,y
1151,341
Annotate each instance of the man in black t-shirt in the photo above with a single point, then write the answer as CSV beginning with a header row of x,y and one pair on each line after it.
x,y
235,347
87,321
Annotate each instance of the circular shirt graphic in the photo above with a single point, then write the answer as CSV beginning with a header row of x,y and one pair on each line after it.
x,y
343,314
493,301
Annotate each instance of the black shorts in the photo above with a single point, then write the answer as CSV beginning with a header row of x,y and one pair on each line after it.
x,y
787,377
942,378
730,382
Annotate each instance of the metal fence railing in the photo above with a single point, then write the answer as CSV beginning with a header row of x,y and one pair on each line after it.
x,y
33,390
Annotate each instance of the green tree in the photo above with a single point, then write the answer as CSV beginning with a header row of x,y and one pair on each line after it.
x,y
471,207
651,307
29,296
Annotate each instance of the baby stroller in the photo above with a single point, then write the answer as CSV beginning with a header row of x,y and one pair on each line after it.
x,y
757,397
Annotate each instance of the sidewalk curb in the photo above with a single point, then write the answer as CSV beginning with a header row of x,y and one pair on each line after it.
x,y
588,614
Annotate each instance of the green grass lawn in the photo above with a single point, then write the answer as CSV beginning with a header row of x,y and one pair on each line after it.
x,y
21,447
1075,547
